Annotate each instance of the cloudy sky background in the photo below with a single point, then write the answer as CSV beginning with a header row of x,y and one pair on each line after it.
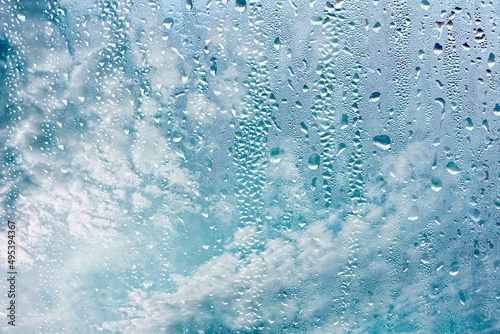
x,y
259,166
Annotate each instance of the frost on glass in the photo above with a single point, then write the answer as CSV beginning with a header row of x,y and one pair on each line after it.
x,y
240,166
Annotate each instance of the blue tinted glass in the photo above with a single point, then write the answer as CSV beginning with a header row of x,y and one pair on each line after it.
x,y
243,166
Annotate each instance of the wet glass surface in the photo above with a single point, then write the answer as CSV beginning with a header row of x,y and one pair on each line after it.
x,y
238,166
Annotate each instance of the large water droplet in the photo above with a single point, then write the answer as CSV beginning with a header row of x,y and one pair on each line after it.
x,y
452,168
313,161
382,141
276,155
344,121
413,213
475,214
168,22
277,43
470,125
374,97
454,268
462,297
496,109
438,48
436,184
441,102
341,148
241,5
303,127
491,60
316,20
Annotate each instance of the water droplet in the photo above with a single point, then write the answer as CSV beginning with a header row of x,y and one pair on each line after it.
x,y
313,161
491,60
425,4
276,155
382,141
496,110
462,297
316,20
338,4
470,125
413,213
441,102
436,184
168,22
344,122
452,168
497,203
341,148
480,36
241,5
177,137
303,128
277,43
425,258
439,266
438,48
454,268
374,97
